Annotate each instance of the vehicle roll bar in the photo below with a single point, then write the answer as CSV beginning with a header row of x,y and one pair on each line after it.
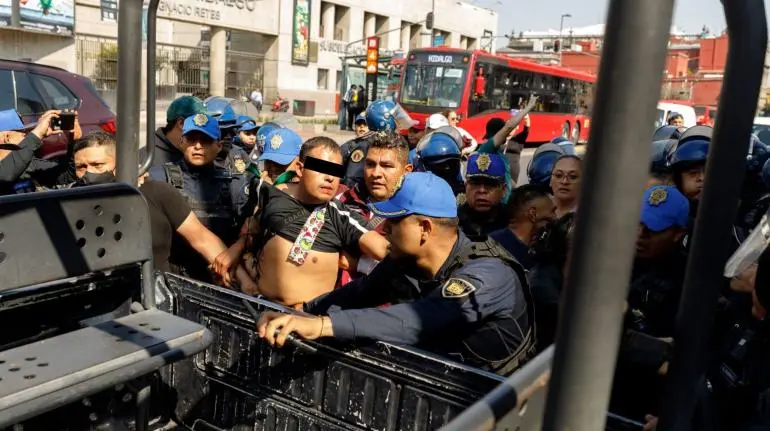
x,y
616,168
725,170
152,24
130,78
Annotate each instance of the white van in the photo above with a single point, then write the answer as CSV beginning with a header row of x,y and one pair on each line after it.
x,y
665,109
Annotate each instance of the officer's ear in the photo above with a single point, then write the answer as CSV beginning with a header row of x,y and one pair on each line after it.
x,y
532,214
408,168
298,167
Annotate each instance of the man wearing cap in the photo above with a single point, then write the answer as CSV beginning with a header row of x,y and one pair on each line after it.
x,y
168,139
413,136
17,148
467,301
481,210
360,126
212,192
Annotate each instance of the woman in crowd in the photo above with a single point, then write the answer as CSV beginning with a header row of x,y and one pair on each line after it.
x,y
565,183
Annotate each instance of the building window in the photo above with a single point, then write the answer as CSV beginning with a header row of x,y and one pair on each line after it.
x,y
323,79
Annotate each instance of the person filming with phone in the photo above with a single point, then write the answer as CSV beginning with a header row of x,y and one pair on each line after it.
x,y
19,168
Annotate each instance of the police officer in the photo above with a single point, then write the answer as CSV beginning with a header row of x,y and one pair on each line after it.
x,y
660,174
380,116
754,194
246,137
470,301
439,153
231,157
212,192
168,139
687,162
481,210
540,167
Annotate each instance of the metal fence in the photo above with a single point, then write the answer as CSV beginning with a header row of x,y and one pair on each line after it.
x,y
179,70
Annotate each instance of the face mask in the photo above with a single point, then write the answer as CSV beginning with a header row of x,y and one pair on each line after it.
x,y
92,179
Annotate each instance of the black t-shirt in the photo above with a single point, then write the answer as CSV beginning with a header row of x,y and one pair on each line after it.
x,y
168,210
518,249
283,215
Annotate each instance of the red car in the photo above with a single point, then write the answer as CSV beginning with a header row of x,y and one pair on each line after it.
x,y
32,89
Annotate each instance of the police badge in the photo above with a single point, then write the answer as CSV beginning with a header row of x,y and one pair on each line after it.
x,y
239,165
483,162
200,120
657,197
357,156
461,199
457,288
276,141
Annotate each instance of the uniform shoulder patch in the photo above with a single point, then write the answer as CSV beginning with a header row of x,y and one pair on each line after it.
x,y
357,156
457,288
239,165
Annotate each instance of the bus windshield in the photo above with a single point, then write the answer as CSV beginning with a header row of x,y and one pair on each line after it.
x,y
433,85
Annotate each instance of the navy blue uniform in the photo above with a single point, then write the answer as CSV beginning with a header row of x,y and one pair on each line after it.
x,y
476,310
353,155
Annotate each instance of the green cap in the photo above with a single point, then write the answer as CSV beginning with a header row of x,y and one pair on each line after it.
x,y
183,107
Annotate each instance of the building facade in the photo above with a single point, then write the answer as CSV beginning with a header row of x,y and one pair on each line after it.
x,y
295,48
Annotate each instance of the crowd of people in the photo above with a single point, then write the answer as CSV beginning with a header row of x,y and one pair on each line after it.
x,y
415,233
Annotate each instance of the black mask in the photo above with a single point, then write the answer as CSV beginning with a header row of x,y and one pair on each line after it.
x,y
92,179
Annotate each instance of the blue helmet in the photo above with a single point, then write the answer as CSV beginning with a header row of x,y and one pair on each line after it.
x,y
566,145
221,109
660,152
541,165
667,132
264,131
437,147
688,153
380,118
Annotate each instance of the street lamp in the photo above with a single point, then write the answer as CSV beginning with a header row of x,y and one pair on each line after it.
x,y
561,28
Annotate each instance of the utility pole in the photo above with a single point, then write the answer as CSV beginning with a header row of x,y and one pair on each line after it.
x,y
561,28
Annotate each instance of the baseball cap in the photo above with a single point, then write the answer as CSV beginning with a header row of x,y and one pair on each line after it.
x,y
437,120
486,165
246,124
664,207
421,193
360,118
418,125
281,146
184,107
10,120
203,123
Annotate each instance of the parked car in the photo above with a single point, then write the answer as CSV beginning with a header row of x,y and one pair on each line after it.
x,y
32,89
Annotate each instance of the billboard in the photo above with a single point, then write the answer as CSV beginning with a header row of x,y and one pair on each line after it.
x,y
300,34
52,16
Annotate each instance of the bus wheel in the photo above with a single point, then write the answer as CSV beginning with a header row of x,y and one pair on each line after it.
x,y
565,131
576,133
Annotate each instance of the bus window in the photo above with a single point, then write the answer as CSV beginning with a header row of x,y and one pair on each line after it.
x,y
433,85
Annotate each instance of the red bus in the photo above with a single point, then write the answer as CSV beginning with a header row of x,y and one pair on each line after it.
x,y
480,86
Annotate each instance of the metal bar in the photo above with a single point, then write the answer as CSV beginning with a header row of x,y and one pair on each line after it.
x,y
588,337
725,169
143,398
129,97
16,13
152,23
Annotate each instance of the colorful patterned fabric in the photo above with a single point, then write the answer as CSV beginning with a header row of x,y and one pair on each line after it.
x,y
307,236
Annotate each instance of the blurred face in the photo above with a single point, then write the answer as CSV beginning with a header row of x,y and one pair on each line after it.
x,y
414,136
541,212
676,121
483,194
406,236
448,170
96,160
249,138
318,187
652,245
199,149
692,182
453,118
361,128
382,172
274,170
565,179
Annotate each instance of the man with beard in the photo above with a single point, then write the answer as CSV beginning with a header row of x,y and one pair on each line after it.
x,y
464,300
481,210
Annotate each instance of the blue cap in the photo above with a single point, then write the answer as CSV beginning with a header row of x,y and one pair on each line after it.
x,y
246,123
486,165
421,193
10,120
281,146
360,118
203,123
664,207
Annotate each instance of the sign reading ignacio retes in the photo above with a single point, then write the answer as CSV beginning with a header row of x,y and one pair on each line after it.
x,y
238,14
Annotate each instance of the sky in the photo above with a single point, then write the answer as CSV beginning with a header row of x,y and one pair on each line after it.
x,y
689,15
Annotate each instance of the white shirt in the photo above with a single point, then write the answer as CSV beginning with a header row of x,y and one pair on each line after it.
x,y
256,96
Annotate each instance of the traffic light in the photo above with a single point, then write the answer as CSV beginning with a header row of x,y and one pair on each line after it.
x,y
556,46
429,21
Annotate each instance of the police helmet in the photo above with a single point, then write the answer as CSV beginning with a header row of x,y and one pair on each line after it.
x,y
379,116
660,152
667,132
697,132
540,167
691,149
566,145
221,109
437,147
